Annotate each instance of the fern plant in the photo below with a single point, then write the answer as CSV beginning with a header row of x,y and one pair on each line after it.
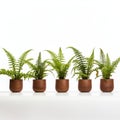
x,y
38,70
16,66
106,66
58,63
83,67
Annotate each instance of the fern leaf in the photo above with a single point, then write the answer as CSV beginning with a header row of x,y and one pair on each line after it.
x,y
9,73
61,56
114,64
58,63
80,60
53,55
21,60
11,59
106,66
107,62
90,62
102,56
39,61
31,65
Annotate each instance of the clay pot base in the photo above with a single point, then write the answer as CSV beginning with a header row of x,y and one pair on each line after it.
x,y
39,85
84,85
107,85
16,85
62,85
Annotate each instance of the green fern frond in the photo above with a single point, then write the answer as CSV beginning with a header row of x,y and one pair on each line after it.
x,y
99,64
90,64
31,65
38,62
54,58
80,60
53,55
62,73
9,73
106,66
21,60
102,56
11,60
15,66
114,64
39,69
61,56
106,72
57,62
83,67
108,61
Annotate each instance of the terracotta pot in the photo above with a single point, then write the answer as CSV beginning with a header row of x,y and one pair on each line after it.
x,y
62,85
39,85
85,85
106,85
16,85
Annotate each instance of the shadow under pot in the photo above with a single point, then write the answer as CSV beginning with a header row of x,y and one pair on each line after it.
x,y
106,85
39,85
16,85
62,85
85,85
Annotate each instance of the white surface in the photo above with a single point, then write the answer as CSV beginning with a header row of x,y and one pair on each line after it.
x,y
60,106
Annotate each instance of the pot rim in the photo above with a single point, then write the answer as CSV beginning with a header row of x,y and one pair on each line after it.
x,y
62,79
16,79
85,79
39,79
106,79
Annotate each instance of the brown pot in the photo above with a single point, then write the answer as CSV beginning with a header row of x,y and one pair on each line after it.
x,y
85,85
39,85
16,85
62,85
106,85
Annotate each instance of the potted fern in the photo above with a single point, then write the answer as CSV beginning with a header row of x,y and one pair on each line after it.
x,y
107,68
39,72
15,70
83,68
57,62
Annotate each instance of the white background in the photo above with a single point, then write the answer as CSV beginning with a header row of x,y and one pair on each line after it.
x,y
50,24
